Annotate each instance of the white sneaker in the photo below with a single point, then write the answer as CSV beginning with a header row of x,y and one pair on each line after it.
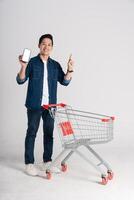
x,y
53,169
31,170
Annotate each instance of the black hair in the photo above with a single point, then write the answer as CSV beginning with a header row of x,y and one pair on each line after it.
x,y
46,36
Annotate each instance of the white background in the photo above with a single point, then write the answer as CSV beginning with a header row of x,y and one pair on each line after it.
x,y
100,36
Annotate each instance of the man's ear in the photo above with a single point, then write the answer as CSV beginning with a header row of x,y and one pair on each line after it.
x,y
38,45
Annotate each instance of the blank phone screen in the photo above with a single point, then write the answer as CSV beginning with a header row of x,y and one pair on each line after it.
x,y
26,55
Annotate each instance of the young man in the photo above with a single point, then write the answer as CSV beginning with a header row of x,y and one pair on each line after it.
x,y
43,74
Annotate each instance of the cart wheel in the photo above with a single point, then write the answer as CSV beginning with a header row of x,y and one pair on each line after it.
x,y
48,175
104,180
110,175
63,167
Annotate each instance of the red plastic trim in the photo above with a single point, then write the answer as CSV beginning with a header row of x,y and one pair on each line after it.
x,y
105,120
113,118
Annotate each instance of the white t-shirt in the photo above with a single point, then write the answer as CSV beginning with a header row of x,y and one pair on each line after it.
x,y
45,96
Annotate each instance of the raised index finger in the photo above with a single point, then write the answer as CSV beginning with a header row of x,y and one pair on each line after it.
x,y
70,57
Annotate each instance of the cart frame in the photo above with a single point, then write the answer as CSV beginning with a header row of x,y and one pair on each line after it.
x,y
81,128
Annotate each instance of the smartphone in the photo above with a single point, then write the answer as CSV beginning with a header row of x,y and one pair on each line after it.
x,y
26,55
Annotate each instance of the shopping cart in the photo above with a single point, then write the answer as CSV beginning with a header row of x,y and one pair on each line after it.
x,y
78,128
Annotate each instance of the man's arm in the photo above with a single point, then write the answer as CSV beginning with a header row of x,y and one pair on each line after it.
x,y
65,79
24,71
70,66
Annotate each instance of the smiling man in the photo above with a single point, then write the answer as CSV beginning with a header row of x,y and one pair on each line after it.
x,y
43,73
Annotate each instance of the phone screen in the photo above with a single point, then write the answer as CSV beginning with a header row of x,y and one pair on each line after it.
x,y
26,55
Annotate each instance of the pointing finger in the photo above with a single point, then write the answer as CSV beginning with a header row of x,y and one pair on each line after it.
x,y
70,57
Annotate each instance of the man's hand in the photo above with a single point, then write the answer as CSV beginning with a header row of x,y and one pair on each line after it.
x,y
22,63
70,64
23,68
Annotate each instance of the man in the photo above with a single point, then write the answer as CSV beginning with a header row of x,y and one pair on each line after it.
x,y
43,74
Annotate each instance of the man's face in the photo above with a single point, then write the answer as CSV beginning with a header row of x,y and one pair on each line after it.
x,y
46,47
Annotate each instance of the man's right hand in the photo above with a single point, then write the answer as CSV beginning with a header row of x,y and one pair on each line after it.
x,y
23,64
22,71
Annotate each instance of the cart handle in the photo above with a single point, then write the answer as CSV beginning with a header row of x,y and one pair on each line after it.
x,y
62,105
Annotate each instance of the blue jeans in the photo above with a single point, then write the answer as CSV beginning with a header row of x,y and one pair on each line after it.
x,y
34,117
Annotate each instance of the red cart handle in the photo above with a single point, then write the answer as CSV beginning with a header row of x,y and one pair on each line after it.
x,y
62,105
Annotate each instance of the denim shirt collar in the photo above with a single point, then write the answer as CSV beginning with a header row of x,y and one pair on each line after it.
x,y
48,61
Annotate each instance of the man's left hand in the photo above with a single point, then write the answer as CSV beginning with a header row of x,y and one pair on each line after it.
x,y
70,64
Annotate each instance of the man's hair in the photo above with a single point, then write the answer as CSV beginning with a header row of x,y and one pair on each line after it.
x,y
46,36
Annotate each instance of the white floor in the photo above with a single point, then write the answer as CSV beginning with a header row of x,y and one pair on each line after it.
x,y
79,182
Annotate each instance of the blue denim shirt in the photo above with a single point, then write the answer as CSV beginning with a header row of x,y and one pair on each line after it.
x,y
35,75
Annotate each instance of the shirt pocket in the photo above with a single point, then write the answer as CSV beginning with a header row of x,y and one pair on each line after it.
x,y
36,74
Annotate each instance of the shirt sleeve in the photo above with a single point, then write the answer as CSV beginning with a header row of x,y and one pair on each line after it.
x,y
28,72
